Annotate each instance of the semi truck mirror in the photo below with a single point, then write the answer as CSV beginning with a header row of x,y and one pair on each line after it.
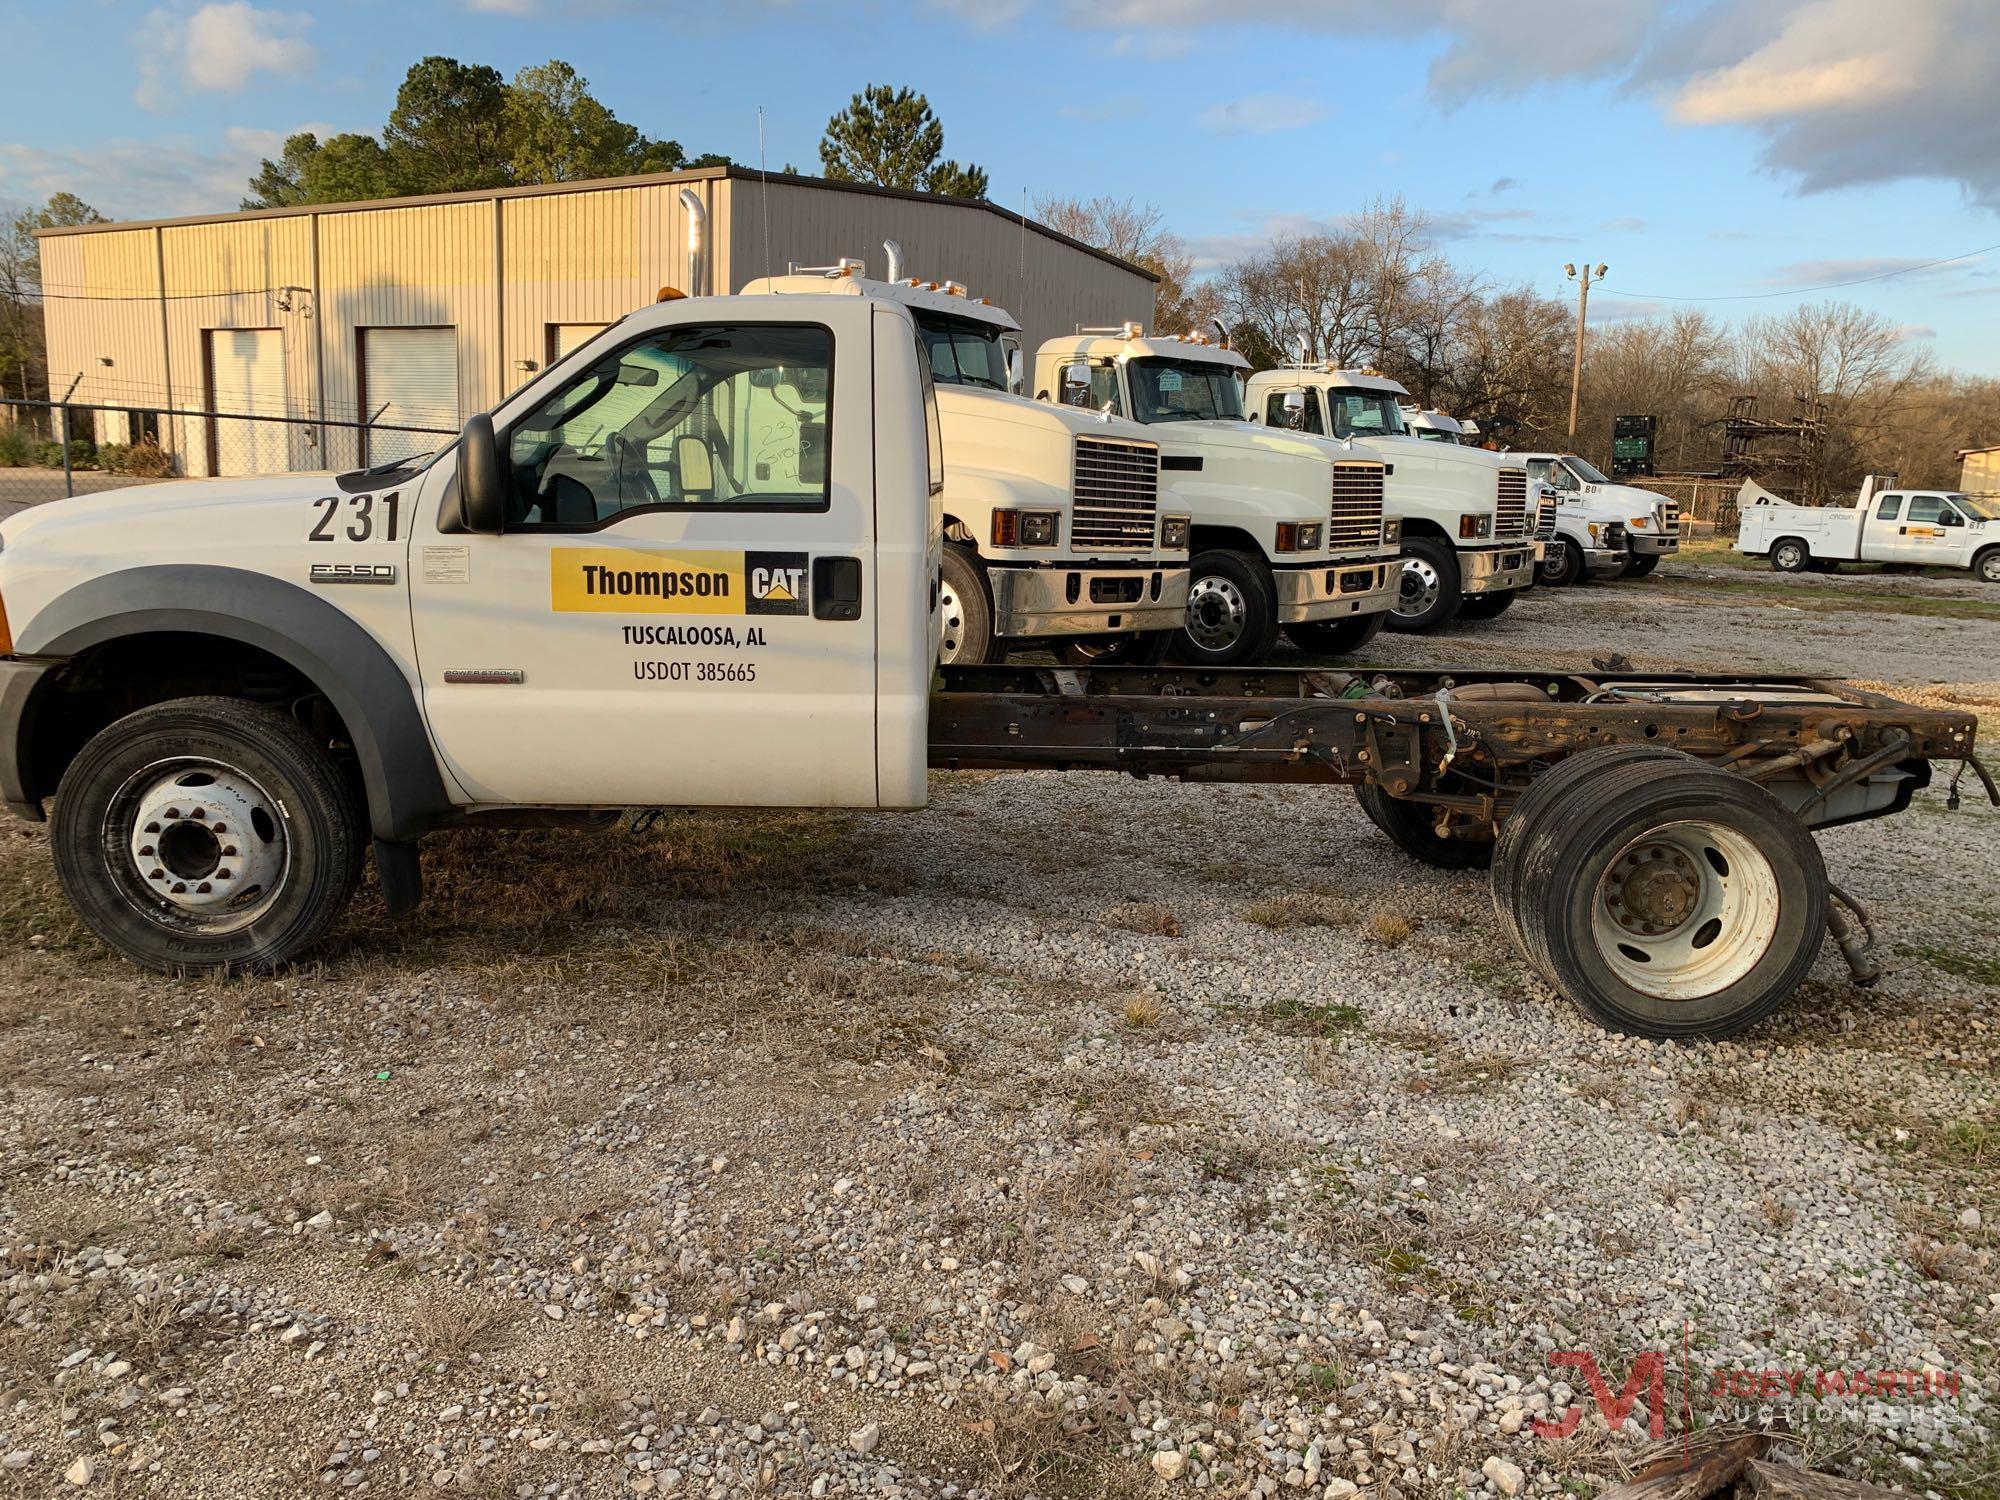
x,y
1017,372
482,478
1295,400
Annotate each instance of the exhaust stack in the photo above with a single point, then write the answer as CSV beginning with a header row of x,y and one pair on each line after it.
x,y
893,249
697,217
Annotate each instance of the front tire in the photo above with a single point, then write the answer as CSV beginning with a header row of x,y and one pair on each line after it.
x,y
1337,637
1986,566
1409,827
1429,597
966,635
1790,555
204,834
1639,567
1561,564
1232,613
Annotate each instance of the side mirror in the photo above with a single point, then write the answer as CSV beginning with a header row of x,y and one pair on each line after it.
x,y
1295,400
1017,372
482,479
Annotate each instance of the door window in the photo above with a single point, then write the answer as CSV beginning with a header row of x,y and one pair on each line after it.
x,y
1276,416
685,418
1926,510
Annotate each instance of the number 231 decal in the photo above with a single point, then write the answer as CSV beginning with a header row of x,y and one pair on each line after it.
x,y
368,518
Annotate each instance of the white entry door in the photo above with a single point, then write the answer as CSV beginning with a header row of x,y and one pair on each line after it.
x,y
409,379
246,375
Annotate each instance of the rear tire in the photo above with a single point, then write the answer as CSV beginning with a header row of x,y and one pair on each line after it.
x,y
966,638
1561,564
1337,637
1232,613
1143,649
1429,597
1487,606
1409,827
1790,555
207,833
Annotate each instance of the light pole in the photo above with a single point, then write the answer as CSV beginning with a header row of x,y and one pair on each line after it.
x,y
1582,310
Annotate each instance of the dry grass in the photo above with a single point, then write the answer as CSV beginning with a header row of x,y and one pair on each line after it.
x,y
449,1328
1390,928
1142,1010
1296,909
1148,917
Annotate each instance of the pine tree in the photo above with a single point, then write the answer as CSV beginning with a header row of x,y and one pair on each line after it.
x,y
888,136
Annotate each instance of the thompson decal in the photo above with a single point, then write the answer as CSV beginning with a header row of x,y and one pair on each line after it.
x,y
609,580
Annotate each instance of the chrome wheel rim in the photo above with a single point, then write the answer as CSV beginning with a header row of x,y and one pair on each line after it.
x,y
1686,911
952,629
1555,561
1217,613
197,845
1420,588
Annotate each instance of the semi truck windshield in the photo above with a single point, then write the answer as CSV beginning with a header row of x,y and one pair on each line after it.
x,y
1168,390
963,352
1365,413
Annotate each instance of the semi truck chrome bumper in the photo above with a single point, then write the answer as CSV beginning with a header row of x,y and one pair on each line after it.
x,y
1334,590
18,681
1499,571
1603,562
1647,544
1087,601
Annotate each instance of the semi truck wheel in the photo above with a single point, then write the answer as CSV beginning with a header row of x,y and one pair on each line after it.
x,y
1487,606
1337,637
1430,598
1561,564
1144,649
207,833
1790,555
1409,827
967,637
1986,566
1671,901
1232,613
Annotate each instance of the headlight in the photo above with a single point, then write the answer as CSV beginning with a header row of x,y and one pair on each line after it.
x,y
1039,528
1297,536
1174,533
1309,537
1471,528
1392,530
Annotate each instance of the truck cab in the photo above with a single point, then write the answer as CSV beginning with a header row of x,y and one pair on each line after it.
x,y
1290,531
1060,527
1434,427
1467,539
1894,524
1594,510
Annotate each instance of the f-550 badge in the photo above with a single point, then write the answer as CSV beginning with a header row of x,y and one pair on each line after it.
x,y
353,573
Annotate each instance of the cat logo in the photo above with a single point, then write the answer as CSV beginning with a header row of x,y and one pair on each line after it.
x,y
775,582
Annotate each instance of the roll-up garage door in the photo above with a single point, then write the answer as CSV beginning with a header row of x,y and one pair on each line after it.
x,y
246,374
564,337
409,379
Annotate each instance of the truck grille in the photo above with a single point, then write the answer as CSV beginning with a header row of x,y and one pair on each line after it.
x,y
1513,517
1356,518
1116,487
1545,517
1670,517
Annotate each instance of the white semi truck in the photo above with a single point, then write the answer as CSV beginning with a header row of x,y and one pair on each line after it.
x,y
222,695
1060,529
1890,523
1290,532
1468,539
1595,513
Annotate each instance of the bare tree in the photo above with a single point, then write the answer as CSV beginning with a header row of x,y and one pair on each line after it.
x,y
1306,295
1137,232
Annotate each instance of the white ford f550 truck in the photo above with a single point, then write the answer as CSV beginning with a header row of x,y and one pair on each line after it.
x,y
1596,514
1290,531
1889,523
1468,543
1060,529
696,562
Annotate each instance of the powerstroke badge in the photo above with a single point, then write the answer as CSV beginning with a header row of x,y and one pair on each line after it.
x,y
777,582
615,581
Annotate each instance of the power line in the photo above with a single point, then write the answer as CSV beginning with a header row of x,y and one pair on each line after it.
x,y
1831,286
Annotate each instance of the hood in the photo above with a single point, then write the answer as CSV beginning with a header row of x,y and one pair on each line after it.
x,y
976,404
154,503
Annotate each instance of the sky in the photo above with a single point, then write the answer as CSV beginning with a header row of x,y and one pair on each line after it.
x,y
1733,154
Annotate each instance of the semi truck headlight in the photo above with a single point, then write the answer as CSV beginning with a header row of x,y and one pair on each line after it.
x,y
1039,528
1392,531
1174,533
1471,528
1309,536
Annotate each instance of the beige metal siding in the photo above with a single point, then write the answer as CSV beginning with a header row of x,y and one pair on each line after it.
x,y
1979,474
102,294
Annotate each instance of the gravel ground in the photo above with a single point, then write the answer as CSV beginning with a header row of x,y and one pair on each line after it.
x,y
1081,1136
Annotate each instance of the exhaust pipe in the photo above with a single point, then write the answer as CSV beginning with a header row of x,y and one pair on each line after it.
x,y
697,217
894,250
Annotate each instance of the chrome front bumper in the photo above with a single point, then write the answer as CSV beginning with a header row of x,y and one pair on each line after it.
x,y
1087,601
1500,570
1603,562
1652,544
1335,590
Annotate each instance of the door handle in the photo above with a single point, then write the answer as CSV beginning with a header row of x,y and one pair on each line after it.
x,y
836,588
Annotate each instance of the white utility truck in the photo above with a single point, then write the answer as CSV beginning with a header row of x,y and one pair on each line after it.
x,y
1289,531
1593,510
1060,529
1889,523
1468,543
695,563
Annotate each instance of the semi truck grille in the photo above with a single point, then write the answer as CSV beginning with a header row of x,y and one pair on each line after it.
x,y
1545,517
1513,517
1356,518
1670,517
1116,487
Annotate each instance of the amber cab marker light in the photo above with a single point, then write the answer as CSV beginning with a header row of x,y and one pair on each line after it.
x,y
6,635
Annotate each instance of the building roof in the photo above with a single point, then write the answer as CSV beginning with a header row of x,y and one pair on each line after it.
x,y
601,184
1965,453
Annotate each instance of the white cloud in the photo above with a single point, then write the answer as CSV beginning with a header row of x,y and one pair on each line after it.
x,y
1910,333
1622,309
218,48
128,179
1262,114
1802,273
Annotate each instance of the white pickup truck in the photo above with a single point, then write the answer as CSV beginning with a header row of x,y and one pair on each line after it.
x,y
1611,530
221,693
1891,524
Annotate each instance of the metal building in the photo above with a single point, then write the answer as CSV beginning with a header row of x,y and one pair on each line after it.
x,y
413,313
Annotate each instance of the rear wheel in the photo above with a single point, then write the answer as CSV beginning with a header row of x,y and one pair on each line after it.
x,y
1410,828
1790,555
1337,637
967,631
1986,566
1232,611
1561,564
1670,900
206,833
1429,598
1487,606
1145,649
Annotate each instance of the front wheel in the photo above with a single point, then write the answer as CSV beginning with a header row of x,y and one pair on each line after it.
x,y
966,633
206,833
1487,606
1144,649
1336,637
1790,555
1640,566
1411,827
1232,612
1429,598
1561,564
1986,566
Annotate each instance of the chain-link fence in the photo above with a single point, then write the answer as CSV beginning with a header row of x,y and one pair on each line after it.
x,y
53,449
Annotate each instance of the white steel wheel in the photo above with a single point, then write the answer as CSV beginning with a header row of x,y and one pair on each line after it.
x,y
1421,586
1687,911
204,845
965,628
1790,556
1989,566
952,610
1217,613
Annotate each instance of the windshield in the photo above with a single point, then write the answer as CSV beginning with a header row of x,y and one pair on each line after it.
x,y
1173,390
1584,469
1979,507
963,352
1365,414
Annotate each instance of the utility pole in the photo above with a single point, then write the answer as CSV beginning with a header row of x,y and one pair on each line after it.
x,y
1582,311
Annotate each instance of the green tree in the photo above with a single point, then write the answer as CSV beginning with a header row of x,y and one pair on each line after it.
x,y
888,136
23,360
344,168
557,131
447,132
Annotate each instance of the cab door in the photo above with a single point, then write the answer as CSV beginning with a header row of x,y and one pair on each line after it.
x,y
1929,533
681,608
